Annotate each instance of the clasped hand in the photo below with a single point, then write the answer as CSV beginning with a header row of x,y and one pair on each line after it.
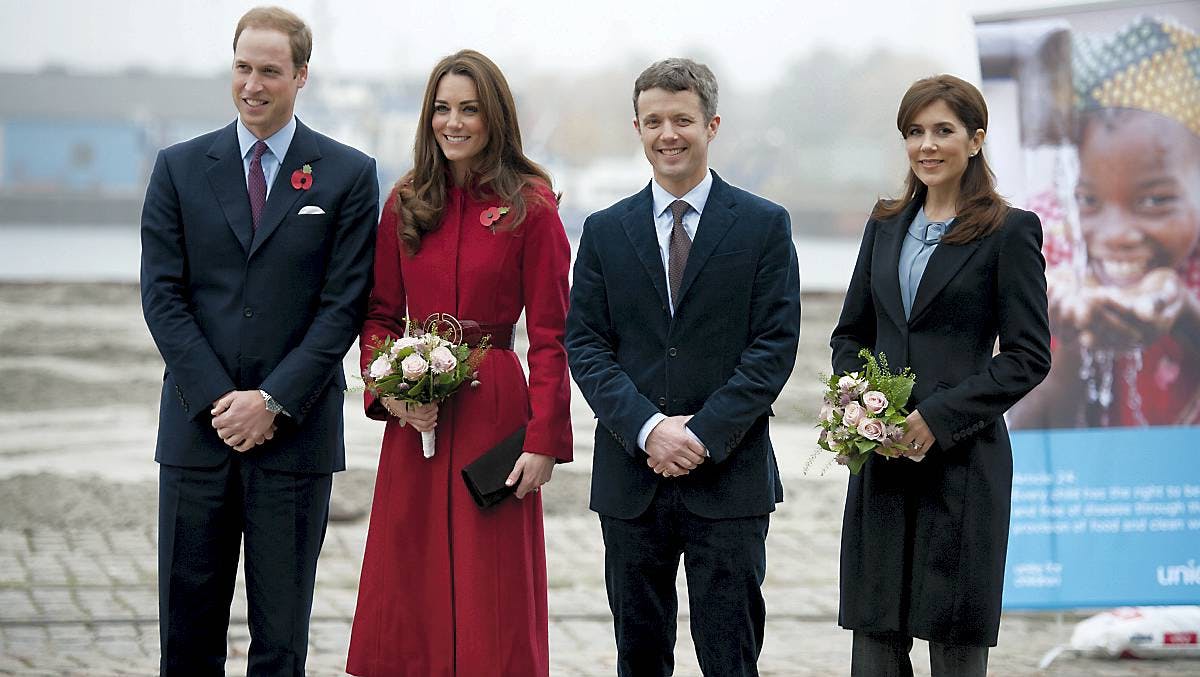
x,y
671,450
242,420
530,472
422,417
918,438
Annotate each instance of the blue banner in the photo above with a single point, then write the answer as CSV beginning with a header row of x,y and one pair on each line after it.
x,y
1104,517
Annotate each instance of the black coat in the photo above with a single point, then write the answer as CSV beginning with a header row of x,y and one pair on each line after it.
x,y
723,357
923,544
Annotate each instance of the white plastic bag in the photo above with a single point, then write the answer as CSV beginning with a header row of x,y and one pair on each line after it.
x,y
1141,632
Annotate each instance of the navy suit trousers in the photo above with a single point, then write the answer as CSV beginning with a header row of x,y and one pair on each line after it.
x,y
725,561
203,513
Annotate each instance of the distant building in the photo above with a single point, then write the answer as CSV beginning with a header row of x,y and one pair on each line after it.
x,y
78,148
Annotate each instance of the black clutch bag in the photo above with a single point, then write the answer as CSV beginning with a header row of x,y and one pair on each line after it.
x,y
485,475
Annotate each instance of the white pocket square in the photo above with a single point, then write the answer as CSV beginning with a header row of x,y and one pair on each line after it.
x,y
311,209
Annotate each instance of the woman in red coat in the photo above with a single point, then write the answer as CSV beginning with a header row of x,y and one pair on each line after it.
x,y
448,588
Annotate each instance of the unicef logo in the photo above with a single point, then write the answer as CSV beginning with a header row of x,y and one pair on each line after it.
x,y
1179,574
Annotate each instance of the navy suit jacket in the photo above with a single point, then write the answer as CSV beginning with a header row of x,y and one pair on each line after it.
x,y
235,308
723,357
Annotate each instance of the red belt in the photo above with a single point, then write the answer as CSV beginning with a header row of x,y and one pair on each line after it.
x,y
470,331
501,334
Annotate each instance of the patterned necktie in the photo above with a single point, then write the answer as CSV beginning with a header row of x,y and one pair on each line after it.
x,y
257,183
677,250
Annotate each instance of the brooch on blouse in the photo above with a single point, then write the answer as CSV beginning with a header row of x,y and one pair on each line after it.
x,y
489,217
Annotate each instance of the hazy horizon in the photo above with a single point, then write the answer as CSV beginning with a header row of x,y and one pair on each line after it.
x,y
380,39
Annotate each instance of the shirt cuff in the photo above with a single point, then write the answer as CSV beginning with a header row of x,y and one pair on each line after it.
x,y
646,428
689,432
653,421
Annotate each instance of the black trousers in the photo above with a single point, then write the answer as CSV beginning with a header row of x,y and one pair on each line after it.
x,y
725,562
886,655
202,515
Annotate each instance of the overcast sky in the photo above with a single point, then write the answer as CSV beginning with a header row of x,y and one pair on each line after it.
x,y
746,40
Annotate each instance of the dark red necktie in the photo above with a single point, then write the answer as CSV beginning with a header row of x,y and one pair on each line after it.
x,y
257,183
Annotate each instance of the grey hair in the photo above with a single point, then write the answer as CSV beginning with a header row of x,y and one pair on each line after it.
x,y
680,75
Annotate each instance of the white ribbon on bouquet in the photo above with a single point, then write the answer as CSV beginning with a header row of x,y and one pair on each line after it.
x,y
428,443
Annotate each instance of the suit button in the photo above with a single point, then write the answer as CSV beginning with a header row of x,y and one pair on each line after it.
x,y
247,312
672,352
662,401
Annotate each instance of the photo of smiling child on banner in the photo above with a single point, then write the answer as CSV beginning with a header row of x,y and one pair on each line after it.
x,y
1124,276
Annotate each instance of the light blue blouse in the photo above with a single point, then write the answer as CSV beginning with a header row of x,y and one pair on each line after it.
x,y
919,242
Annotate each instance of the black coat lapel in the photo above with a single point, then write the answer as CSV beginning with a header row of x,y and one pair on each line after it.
x,y
283,196
944,263
886,276
717,219
639,228
227,176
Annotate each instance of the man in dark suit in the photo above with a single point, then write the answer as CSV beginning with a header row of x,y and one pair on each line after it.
x,y
685,314
257,244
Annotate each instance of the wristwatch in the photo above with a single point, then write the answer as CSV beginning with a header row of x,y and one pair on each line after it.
x,y
272,406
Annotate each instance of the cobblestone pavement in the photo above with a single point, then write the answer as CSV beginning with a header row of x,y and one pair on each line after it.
x,y
83,602
77,513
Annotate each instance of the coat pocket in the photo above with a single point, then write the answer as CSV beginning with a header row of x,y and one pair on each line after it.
x,y
727,261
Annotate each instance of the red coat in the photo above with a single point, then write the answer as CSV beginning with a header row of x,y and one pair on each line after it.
x,y
448,589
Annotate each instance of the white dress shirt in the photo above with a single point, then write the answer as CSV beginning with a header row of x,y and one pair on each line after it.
x,y
663,224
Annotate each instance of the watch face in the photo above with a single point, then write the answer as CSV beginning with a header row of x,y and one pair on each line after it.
x,y
272,406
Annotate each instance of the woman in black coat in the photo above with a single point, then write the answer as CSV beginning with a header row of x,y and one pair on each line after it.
x,y
941,274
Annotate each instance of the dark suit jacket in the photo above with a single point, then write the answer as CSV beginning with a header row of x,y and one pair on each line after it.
x,y
723,357
233,308
923,544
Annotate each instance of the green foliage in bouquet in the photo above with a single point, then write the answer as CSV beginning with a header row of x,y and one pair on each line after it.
x,y
447,366
863,412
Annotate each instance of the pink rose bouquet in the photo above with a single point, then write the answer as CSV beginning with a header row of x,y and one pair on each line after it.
x,y
863,412
422,369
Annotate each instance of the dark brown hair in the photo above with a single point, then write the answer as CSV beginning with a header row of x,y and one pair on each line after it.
x,y
980,209
279,19
501,169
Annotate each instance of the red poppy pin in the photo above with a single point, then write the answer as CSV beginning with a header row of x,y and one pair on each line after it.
x,y
489,217
302,179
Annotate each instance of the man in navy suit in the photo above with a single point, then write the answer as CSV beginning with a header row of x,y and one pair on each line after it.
x,y
257,246
684,320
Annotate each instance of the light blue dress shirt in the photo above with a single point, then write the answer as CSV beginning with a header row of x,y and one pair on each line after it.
x,y
663,224
277,148
919,242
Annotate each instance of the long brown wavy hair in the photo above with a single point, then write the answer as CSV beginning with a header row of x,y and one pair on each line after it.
x,y
980,210
501,169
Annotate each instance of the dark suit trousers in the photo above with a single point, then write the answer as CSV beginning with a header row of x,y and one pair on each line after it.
x,y
886,655
725,561
202,514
